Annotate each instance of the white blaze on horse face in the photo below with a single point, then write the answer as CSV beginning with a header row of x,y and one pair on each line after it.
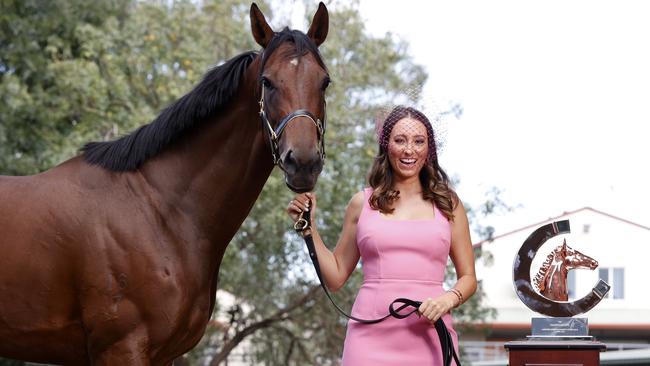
x,y
294,61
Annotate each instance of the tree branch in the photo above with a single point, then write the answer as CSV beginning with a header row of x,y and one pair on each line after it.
x,y
276,317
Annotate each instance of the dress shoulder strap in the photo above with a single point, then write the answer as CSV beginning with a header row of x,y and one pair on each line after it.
x,y
366,210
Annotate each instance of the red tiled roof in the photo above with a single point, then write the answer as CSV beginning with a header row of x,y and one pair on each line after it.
x,y
557,217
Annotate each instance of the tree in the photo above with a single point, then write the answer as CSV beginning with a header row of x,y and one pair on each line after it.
x,y
73,71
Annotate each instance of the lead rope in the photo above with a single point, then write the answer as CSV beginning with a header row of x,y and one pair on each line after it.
x,y
446,342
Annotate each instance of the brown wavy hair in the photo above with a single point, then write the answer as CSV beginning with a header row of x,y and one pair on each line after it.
x,y
434,180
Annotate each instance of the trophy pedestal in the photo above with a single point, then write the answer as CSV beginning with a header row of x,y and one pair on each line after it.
x,y
554,353
556,342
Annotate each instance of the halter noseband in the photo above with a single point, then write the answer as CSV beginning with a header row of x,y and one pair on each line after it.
x,y
275,134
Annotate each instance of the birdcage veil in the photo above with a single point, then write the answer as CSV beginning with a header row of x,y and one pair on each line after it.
x,y
436,109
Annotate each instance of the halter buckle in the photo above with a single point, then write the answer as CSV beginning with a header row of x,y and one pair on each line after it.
x,y
301,224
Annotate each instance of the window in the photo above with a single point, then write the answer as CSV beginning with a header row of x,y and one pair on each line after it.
x,y
617,276
619,280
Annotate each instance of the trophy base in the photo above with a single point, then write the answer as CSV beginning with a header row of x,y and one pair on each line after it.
x,y
559,338
559,329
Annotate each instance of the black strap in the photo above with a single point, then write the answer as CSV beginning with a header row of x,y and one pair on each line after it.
x,y
446,341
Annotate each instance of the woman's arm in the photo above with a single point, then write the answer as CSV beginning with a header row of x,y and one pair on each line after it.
x,y
462,255
336,266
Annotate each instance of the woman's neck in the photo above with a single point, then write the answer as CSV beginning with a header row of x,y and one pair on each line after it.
x,y
408,187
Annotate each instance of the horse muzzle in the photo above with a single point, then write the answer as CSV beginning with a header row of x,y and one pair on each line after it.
x,y
301,172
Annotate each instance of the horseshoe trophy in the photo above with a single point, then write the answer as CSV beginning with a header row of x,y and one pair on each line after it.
x,y
558,338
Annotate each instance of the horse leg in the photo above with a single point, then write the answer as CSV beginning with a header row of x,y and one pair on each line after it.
x,y
132,350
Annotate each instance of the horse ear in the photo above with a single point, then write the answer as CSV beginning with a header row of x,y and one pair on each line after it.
x,y
262,32
319,25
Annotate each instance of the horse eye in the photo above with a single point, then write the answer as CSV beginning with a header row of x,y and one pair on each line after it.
x,y
326,83
267,83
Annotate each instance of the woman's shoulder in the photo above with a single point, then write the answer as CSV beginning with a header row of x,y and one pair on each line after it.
x,y
355,206
357,200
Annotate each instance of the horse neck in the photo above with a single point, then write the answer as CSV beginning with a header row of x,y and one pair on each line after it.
x,y
214,175
555,278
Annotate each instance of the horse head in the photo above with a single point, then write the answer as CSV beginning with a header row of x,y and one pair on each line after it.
x,y
293,80
574,259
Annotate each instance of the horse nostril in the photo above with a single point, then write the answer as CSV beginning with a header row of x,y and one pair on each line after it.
x,y
317,165
303,164
290,164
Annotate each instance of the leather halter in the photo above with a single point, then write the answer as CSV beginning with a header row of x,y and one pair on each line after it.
x,y
274,135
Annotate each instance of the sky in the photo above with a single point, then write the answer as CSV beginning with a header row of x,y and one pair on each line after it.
x,y
555,97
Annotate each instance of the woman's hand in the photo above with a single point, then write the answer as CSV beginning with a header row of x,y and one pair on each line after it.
x,y
302,202
433,309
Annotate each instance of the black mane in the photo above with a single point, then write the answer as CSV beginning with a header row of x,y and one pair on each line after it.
x,y
207,98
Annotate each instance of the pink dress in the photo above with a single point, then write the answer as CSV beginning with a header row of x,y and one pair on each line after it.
x,y
400,258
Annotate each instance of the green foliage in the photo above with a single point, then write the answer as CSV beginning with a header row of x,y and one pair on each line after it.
x,y
76,71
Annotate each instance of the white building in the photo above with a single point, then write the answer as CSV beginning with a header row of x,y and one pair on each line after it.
x,y
622,248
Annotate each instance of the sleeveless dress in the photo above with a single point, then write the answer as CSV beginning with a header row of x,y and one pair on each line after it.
x,y
400,258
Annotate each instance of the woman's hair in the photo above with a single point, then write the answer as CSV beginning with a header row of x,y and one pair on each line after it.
x,y
434,180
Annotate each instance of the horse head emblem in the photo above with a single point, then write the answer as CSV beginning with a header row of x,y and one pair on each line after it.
x,y
552,298
551,279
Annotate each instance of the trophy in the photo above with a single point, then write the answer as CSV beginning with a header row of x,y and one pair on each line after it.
x,y
547,295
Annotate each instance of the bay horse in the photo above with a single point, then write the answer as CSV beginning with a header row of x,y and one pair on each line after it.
x,y
112,257
552,276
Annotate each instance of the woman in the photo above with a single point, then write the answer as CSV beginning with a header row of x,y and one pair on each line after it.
x,y
404,227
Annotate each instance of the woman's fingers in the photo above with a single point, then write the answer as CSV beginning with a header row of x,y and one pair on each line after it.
x,y
301,202
431,309
311,196
304,201
293,210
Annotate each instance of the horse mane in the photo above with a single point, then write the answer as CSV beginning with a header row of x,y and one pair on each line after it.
x,y
215,90
207,98
543,270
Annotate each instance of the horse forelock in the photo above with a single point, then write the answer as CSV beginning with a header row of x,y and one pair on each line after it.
x,y
302,45
215,90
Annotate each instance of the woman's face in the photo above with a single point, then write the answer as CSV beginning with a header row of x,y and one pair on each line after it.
x,y
408,147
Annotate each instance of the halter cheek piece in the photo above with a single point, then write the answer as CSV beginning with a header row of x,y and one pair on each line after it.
x,y
275,134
